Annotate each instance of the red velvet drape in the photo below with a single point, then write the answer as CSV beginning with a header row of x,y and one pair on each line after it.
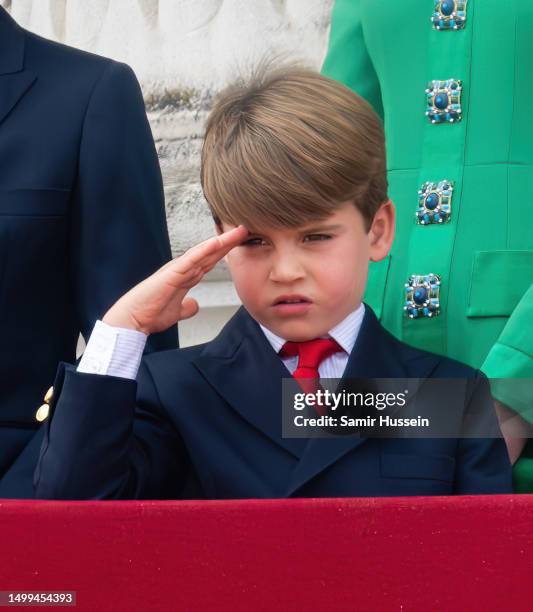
x,y
455,553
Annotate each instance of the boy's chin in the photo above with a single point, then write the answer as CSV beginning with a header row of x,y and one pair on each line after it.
x,y
299,331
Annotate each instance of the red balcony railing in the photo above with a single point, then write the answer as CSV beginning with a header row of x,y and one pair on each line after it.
x,y
429,554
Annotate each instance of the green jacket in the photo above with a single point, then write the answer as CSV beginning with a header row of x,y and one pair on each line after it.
x,y
388,51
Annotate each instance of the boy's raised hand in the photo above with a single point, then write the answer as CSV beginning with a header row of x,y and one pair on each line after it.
x,y
159,301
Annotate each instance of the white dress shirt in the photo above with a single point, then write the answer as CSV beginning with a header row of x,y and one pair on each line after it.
x,y
115,351
344,333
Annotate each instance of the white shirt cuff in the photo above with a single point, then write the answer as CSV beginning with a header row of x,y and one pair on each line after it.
x,y
113,351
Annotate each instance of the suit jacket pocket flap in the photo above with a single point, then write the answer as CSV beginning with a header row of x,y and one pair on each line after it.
x,y
499,280
34,202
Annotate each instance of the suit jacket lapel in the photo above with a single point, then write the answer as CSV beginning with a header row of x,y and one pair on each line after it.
x,y
14,80
376,354
244,369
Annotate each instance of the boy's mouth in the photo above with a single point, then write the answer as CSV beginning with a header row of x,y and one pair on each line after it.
x,y
291,299
291,305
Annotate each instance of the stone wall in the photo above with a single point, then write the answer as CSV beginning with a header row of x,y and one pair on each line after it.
x,y
183,52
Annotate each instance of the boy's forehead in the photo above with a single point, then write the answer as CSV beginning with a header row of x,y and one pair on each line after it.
x,y
324,224
332,222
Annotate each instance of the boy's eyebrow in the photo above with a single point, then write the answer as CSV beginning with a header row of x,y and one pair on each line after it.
x,y
322,228
306,230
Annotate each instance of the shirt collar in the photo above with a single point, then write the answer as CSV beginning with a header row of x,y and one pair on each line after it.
x,y
344,333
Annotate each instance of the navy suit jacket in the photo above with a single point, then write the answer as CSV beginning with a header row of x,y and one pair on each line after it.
x,y
82,219
205,422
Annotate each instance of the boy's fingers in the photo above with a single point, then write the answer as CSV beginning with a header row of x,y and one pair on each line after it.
x,y
211,250
189,307
233,236
187,281
193,276
217,246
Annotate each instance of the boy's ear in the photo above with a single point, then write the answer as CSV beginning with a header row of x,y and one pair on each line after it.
x,y
381,233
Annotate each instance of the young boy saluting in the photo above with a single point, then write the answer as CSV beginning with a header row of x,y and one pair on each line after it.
x,y
293,168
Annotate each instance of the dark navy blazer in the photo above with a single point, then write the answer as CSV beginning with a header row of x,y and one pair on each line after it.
x,y
205,422
81,219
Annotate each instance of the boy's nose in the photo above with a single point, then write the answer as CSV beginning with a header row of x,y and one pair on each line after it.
x,y
286,268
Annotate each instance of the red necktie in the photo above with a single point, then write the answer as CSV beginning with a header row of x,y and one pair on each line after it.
x,y
310,356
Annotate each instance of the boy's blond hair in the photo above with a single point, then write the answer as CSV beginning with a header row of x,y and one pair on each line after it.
x,y
288,148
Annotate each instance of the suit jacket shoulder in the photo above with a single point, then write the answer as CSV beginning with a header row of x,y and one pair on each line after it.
x,y
376,354
53,56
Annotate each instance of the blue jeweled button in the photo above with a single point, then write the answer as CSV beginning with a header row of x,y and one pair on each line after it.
x,y
443,101
434,202
449,14
447,8
422,296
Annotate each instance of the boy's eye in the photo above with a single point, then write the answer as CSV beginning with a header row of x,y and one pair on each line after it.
x,y
316,237
253,242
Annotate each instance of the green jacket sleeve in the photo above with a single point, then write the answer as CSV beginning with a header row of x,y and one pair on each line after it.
x,y
510,361
347,59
